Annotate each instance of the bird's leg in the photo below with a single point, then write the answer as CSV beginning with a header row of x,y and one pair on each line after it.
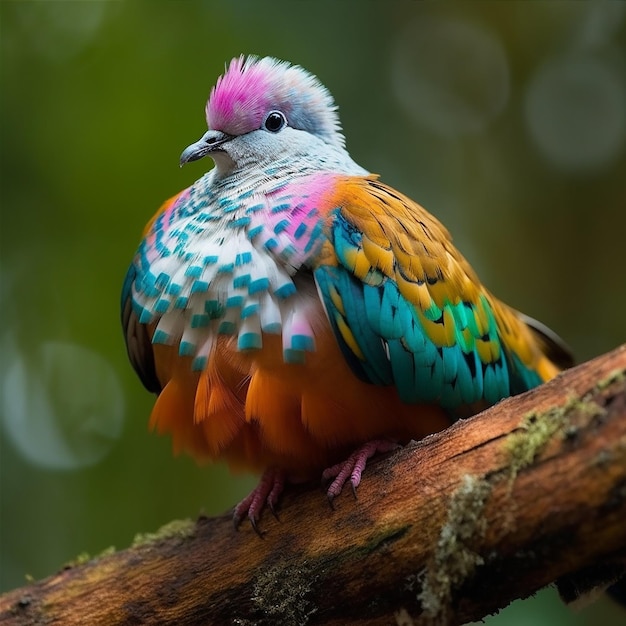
x,y
353,467
267,492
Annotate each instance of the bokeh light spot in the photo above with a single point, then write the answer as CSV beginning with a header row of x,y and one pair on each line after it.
x,y
601,21
451,76
575,109
63,407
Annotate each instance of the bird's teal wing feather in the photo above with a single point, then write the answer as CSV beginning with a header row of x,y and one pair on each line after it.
x,y
408,310
136,335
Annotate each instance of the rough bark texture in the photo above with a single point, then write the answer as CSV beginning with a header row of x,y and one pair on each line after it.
x,y
446,530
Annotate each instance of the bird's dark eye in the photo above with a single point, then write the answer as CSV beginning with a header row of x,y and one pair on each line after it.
x,y
274,121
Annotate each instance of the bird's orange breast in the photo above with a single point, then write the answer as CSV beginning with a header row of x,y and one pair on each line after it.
x,y
255,411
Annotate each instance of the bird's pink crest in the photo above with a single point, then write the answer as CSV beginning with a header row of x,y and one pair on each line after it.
x,y
251,87
240,97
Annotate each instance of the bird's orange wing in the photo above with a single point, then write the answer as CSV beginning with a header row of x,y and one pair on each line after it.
x,y
408,310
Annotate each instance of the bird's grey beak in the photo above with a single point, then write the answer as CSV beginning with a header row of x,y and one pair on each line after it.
x,y
210,142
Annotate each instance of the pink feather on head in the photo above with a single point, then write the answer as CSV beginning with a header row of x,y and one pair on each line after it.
x,y
251,87
239,99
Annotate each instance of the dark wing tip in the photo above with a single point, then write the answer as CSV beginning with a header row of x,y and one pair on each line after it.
x,y
139,348
554,347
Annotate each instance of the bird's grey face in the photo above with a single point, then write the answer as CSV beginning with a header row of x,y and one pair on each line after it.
x,y
263,110
275,140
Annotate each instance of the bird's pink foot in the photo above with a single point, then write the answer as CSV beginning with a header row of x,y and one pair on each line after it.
x,y
353,467
266,493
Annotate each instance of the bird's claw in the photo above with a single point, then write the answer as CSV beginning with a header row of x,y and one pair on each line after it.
x,y
266,493
352,468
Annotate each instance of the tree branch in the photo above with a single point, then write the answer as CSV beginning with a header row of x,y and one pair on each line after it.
x,y
448,529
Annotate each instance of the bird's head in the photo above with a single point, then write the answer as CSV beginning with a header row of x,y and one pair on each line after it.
x,y
262,110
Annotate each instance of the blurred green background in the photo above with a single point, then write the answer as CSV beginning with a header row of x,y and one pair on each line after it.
x,y
507,120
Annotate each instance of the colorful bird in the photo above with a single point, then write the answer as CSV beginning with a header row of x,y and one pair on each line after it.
x,y
295,315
